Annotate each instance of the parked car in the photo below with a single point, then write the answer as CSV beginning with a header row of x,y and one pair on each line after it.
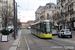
x,y
54,32
11,29
28,27
65,32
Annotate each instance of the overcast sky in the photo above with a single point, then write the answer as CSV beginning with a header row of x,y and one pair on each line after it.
x,y
27,8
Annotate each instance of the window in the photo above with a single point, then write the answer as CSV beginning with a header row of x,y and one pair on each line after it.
x,y
48,27
62,30
55,7
52,7
52,11
59,7
41,27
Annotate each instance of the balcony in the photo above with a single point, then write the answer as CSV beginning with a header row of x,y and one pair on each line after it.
x,y
11,17
73,18
71,10
62,11
62,0
71,1
66,12
66,4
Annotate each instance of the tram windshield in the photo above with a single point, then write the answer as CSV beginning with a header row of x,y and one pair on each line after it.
x,y
48,27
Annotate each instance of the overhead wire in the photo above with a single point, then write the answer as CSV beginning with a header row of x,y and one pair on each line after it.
x,y
28,5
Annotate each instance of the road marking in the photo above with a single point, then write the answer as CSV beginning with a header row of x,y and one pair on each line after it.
x,y
26,43
19,44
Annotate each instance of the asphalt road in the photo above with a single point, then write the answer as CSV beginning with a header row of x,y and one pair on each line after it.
x,y
31,42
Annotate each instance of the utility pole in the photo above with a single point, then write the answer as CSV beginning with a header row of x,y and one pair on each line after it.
x,y
14,21
16,17
7,15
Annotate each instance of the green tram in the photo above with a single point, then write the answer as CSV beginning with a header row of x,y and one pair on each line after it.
x,y
42,29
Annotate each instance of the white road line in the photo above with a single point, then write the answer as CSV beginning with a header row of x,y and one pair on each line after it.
x,y
19,44
26,43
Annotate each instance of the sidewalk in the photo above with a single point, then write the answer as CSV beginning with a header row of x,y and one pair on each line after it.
x,y
7,45
16,42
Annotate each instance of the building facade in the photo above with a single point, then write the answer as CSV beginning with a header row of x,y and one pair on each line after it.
x,y
26,24
46,12
37,13
66,9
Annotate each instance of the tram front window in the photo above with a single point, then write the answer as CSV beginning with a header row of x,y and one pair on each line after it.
x,y
47,27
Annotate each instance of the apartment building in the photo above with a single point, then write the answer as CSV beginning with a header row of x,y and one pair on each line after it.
x,y
47,12
66,9
37,13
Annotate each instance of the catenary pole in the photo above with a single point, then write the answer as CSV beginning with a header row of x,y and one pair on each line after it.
x,y
14,21
7,15
16,17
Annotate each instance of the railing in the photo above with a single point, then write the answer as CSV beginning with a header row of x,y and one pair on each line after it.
x,y
66,12
72,1
62,0
66,4
70,10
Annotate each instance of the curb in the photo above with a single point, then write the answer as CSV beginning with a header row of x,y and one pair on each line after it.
x,y
16,42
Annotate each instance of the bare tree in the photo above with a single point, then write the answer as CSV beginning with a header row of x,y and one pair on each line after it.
x,y
4,15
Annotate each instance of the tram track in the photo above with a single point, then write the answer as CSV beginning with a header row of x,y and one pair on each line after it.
x,y
26,43
53,41
58,43
33,42
37,44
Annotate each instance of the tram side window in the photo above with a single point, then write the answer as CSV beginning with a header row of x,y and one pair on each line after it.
x,y
32,26
38,27
50,27
42,27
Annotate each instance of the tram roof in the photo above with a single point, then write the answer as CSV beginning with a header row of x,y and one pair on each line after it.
x,y
41,21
